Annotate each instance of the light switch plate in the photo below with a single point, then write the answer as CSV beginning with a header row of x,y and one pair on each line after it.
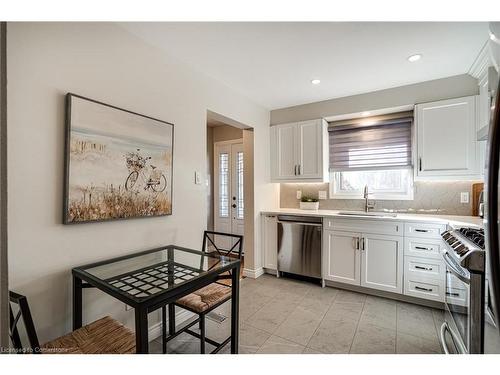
x,y
322,194
197,178
299,194
464,197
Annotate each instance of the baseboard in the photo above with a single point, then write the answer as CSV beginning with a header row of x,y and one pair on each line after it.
x,y
253,274
154,331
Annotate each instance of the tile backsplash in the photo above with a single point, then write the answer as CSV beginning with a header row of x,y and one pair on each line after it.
x,y
430,197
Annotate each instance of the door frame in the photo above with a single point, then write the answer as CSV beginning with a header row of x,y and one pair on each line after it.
x,y
4,288
216,175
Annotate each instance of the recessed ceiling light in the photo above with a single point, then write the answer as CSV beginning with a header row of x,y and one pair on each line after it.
x,y
364,114
315,81
414,58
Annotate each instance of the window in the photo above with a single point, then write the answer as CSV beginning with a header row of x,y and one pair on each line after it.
x,y
373,152
239,167
224,185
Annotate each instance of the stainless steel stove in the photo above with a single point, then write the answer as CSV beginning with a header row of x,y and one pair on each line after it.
x,y
464,255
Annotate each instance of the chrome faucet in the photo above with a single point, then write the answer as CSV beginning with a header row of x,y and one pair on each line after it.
x,y
368,206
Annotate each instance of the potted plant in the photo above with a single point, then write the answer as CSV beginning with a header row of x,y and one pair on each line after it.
x,y
309,203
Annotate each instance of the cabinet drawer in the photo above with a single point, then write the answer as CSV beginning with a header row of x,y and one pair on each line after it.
x,y
424,230
428,268
457,296
427,288
365,226
423,247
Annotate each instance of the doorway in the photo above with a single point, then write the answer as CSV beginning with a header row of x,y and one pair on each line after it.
x,y
228,194
230,181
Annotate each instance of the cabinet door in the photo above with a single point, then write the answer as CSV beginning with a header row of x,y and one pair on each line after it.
x,y
283,145
270,241
310,149
446,138
341,257
382,262
484,105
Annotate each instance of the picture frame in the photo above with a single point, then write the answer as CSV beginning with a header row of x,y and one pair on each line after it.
x,y
118,163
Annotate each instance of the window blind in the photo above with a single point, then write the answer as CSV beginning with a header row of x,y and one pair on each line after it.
x,y
382,142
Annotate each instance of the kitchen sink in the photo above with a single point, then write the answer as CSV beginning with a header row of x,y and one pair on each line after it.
x,y
371,214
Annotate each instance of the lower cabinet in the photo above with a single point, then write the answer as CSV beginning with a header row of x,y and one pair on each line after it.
x,y
382,262
270,242
369,260
341,257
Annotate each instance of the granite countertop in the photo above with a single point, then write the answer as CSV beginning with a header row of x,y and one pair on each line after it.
x,y
452,220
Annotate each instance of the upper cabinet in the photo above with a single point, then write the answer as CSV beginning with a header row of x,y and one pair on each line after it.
x,y
299,152
446,140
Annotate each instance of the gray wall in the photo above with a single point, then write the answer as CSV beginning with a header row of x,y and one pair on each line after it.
x,y
451,87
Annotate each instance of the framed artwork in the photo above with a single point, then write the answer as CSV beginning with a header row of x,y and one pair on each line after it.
x,y
118,163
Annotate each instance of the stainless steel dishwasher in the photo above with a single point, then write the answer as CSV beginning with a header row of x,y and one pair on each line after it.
x,y
299,245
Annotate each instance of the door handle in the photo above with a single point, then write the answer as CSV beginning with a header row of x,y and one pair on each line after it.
x,y
421,230
422,248
233,205
420,164
295,170
355,243
362,244
299,170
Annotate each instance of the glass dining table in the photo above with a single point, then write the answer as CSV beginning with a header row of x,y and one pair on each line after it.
x,y
152,279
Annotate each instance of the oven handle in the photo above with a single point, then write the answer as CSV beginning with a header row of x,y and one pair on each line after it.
x,y
453,269
458,347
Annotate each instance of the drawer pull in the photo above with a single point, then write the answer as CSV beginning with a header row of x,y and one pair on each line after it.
x,y
453,294
423,248
422,230
423,268
423,289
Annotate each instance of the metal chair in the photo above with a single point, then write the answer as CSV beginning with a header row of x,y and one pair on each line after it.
x,y
206,299
104,336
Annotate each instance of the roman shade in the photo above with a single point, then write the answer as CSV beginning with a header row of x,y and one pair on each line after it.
x,y
382,142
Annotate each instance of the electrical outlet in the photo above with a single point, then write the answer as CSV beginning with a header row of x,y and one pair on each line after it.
x,y
322,194
197,178
464,197
299,194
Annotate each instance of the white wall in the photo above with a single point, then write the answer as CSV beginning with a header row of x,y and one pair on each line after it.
x,y
103,62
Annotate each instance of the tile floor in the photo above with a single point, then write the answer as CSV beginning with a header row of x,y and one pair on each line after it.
x,y
289,316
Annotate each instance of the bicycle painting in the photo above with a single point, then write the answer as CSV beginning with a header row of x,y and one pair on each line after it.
x,y
119,163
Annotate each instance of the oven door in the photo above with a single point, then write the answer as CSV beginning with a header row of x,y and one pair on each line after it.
x,y
457,300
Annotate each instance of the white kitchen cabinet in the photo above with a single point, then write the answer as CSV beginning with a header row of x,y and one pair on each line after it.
x,y
270,242
341,257
382,262
446,139
299,152
369,260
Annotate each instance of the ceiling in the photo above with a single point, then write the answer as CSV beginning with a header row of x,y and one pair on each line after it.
x,y
273,63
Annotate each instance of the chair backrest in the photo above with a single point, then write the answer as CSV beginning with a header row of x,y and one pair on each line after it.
x,y
235,248
23,312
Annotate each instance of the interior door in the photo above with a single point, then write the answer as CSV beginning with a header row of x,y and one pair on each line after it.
x,y
228,190
382,262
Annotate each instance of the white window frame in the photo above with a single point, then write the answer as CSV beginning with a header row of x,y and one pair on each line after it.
x,y
336,193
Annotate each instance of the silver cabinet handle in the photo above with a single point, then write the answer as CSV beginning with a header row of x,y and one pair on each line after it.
x,y
423,289
295,170
423,268
423,248
299,170
355,243
362,243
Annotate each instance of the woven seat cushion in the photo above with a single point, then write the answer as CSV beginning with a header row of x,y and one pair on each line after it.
x,y
205,298
104,336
